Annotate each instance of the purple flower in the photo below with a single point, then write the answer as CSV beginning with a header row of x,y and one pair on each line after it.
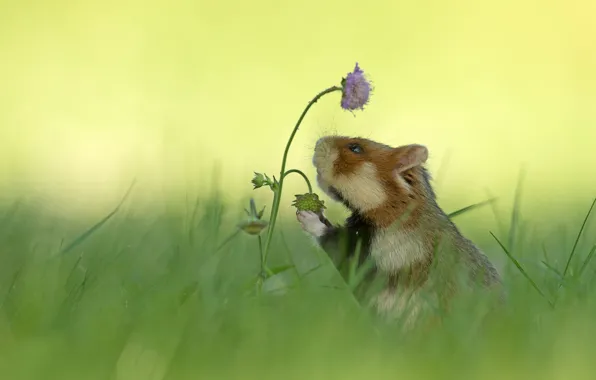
x,y
356,90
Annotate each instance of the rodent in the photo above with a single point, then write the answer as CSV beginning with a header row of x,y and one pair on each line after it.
x,y
394,214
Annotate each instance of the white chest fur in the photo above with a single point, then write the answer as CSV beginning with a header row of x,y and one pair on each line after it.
x,y
393,250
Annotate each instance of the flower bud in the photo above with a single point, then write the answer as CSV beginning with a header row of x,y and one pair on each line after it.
x,y
258,180
254,225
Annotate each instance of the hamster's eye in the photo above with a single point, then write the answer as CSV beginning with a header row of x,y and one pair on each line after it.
x,y
355,148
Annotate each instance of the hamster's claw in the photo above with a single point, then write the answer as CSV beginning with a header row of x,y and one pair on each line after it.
x,y
311,223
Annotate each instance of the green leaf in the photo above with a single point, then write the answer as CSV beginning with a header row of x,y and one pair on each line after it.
x,y
280,282
276,270
260,214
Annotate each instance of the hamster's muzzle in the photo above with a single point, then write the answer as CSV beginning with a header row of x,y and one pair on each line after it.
x,y
323,155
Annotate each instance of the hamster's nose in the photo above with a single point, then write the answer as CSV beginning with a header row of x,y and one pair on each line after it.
x,y
320,143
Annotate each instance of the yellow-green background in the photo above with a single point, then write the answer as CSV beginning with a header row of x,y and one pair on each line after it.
x,y
95,93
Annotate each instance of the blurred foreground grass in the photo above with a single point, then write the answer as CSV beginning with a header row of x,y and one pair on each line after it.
x,y
148,296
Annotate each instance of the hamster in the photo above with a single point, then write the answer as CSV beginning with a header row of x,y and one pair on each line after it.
x,y
395,216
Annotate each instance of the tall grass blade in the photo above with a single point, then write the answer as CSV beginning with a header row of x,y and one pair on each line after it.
x,y
193,221
493,206
516,209
581,230
521,269
470,208
587,261
361,273
552,269
354,262
81,238
227,240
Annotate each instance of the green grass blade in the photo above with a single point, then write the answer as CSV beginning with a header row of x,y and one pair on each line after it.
x,y
361,273
552,269
493,207
545,253
227,240
521,269
516,209
470,208
586,261
354,262
581,230
81,238
193,221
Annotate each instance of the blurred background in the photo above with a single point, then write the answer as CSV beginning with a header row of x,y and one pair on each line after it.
x,y
179,94
190,97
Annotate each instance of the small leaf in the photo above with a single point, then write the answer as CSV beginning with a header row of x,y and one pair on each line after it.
x,y
279,282
260,214
279,269
274,185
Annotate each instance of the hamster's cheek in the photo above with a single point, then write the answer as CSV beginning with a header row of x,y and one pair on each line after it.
x,y
325,186
322,183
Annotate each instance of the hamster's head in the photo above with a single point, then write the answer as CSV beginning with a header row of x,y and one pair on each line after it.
x,y
371,178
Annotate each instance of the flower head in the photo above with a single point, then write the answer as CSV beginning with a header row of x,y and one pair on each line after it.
x,y
309,202
253,227
254,224
355,90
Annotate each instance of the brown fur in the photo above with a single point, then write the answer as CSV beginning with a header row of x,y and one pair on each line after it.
x,y
384,184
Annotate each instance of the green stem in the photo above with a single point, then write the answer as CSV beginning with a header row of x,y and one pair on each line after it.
x,y
303,176
261,252
277,197
260,276
264,268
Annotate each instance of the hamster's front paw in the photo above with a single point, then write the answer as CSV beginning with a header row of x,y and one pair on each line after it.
x,y
311,223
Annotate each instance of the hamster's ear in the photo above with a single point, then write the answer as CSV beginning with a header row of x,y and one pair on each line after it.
x,y
409,156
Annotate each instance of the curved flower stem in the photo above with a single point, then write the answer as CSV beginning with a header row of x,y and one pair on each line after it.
x,y
303,176
277,196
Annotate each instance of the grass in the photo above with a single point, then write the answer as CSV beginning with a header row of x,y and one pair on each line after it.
x,y
156,296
